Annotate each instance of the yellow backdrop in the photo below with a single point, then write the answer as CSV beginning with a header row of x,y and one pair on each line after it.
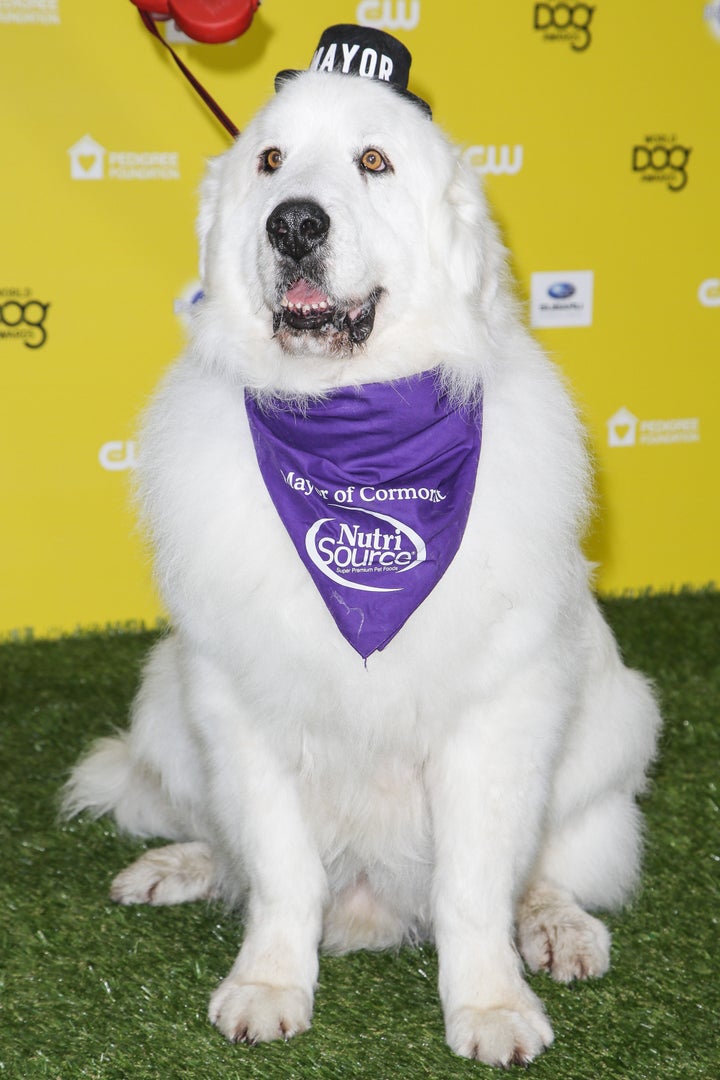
x,y
595,128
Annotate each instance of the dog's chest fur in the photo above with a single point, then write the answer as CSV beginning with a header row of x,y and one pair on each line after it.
x,y
269,613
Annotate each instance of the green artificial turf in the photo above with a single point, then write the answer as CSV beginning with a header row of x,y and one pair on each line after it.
x,y
90,989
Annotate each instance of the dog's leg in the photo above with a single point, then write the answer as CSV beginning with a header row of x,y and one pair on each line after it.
x,y
591,861
591,852
488,789
268,993
264,845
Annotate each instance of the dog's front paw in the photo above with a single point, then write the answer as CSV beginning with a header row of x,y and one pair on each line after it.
x,y
257,1012
500,1036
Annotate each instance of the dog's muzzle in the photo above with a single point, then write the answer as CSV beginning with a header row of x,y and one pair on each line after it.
x,y
297,230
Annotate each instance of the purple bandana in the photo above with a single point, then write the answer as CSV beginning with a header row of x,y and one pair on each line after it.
x,y
374,485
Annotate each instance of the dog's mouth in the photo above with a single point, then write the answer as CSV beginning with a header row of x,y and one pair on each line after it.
x,y
306,308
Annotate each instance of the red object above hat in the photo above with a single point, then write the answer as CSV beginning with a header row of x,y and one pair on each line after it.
x,y
208,21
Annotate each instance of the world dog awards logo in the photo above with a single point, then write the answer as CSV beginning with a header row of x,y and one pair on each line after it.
x,y
88,162
565,22
661,158
22,317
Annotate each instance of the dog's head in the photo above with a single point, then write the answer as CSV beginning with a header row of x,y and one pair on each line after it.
x,y
341,241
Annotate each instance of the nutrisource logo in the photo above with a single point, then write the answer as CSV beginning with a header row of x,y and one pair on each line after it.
x,y
340,549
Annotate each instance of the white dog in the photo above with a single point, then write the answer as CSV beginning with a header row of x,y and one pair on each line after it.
x,y
473,779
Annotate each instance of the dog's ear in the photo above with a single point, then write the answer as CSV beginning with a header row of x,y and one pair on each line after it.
x,y
207,216
476,258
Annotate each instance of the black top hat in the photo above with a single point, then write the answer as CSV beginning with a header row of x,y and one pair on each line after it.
x,y
362,51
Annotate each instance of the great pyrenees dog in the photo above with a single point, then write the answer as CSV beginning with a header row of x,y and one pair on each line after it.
x,y
468,775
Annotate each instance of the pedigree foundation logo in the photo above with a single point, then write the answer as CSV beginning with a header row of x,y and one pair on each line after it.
x,y
388,14
494,160
23,317
626,429
89,160
566,23
43,12
662,159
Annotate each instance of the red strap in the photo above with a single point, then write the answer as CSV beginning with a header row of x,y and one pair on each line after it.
x,y
207,98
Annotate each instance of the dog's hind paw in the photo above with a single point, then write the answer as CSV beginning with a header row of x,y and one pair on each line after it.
x,y
256,1012
500,1037
557,936
174,874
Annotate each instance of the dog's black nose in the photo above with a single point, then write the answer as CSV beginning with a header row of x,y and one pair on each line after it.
x,y
296,227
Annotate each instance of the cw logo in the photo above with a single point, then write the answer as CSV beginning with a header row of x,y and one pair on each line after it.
x,y
494,159
709,293
116,456
389,14
569,20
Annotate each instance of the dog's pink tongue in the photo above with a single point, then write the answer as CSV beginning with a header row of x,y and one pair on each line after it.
x,y
302,293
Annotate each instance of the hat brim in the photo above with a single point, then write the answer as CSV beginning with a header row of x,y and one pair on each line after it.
x,y
287,75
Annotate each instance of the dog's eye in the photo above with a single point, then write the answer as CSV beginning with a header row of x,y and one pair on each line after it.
x,y
371,160
271,160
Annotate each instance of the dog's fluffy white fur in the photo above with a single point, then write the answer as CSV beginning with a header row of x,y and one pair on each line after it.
x,y
474,783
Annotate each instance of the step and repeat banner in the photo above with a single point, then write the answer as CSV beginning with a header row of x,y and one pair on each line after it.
x,y
594,129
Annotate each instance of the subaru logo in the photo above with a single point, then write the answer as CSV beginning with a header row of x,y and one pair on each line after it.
x,y
561,290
